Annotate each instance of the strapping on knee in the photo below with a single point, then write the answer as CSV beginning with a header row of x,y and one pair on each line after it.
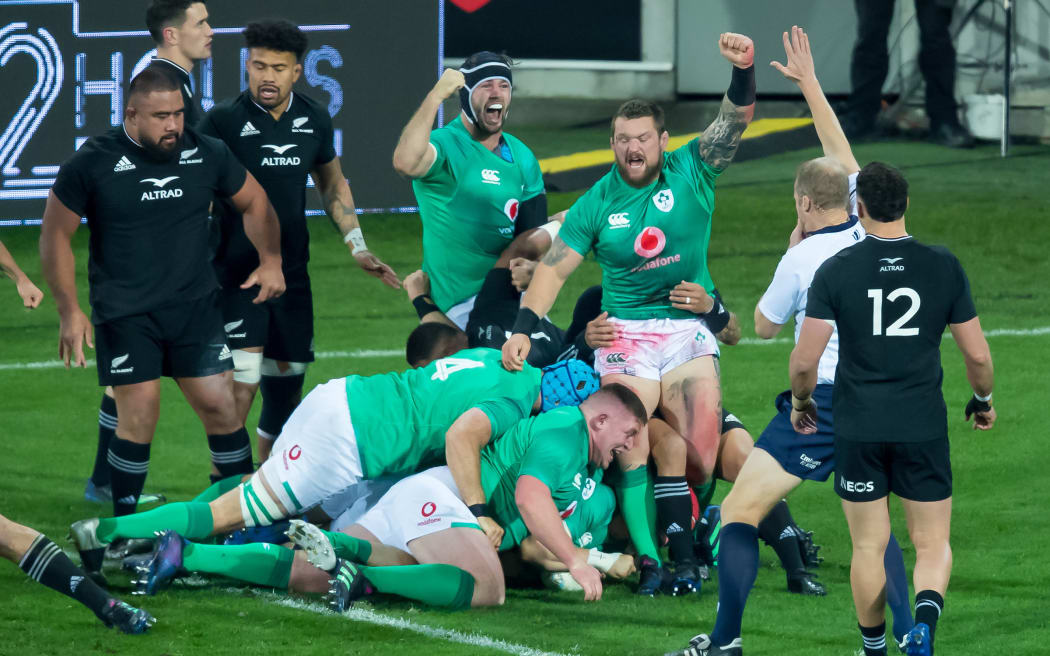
x,y
247,366
271,368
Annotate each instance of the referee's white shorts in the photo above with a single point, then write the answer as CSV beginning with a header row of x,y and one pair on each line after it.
x,y
419,505
315,459
650,348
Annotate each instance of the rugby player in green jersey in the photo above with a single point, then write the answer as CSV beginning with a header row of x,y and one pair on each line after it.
x,y
421,541
477,186
353,430
649,221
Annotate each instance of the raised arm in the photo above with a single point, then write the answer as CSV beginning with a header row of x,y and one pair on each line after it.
x,y
264,231
414,155
338,202
801,71
59,267
720,140
30,293
557,265
971,341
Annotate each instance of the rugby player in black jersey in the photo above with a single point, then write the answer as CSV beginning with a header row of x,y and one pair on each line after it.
x,y
145,188
281,136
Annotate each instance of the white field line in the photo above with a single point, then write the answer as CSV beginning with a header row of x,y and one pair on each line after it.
x,y
372,617
388,353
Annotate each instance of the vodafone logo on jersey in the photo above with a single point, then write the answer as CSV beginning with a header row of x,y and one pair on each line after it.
x,y
511,209
650,242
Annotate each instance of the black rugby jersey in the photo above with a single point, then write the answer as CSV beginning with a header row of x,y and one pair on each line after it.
x,y
279,154
891,300
148,219
192,111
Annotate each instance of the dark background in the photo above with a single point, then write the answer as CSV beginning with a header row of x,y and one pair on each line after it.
x,y
546,29
372,77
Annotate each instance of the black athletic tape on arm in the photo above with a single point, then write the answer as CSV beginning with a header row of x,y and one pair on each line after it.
x,y
526,322
976,405
424,305
532,213
742,87
479,510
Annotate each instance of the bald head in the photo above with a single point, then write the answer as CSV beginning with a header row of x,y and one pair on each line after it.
x,y
825,182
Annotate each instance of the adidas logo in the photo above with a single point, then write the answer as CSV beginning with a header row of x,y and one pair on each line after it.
x,y
249,130
674,528
225,354
129,500
787,533
124,164
74,583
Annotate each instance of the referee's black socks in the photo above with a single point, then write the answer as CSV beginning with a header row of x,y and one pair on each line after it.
x,y
231,453
128,466
45,563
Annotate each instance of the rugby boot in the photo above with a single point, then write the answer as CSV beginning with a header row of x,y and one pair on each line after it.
x,y
701,645
348,586
126,617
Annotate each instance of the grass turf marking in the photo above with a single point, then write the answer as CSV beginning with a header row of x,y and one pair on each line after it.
x,y
389,353
372,617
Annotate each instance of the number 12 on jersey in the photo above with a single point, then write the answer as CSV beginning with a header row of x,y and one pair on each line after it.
x,y
895,329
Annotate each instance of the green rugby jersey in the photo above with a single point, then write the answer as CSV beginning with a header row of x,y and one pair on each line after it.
x,y
648,240
468,202
589,525
553,447
400,418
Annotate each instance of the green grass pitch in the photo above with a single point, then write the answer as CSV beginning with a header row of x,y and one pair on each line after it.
x,y
992,213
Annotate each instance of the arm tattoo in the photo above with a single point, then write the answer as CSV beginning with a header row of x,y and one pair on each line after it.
x,y
559,249
720,140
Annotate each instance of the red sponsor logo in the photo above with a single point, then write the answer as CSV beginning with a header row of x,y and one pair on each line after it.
x,y
429,508
658,262
565,514
511,209
470,6
650,242
294,452
426,522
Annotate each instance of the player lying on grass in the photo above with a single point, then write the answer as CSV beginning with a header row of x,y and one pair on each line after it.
x,y
826,223
353,430
44,562
421,541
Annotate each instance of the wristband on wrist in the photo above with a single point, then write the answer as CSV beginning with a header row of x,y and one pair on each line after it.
x,y
357,239
975,404
424,305
479,509
742,86
800,404
717,318
985,399
526,322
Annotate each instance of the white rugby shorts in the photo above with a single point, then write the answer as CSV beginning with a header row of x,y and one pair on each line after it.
x,y
459,313
315,458
650,348
416,506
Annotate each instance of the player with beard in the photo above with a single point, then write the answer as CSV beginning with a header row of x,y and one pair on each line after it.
x,y
145,188
477,186
183,36
649,222
280,136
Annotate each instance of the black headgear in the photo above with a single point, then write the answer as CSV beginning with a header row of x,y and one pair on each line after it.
x,y
484,66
